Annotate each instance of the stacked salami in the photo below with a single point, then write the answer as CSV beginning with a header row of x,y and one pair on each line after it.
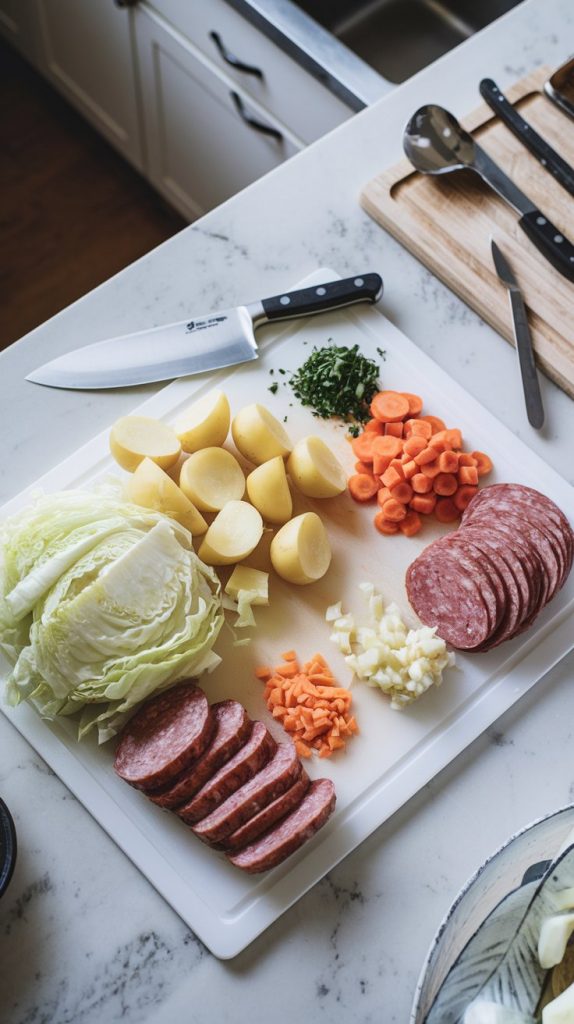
x,y
488,581
224,775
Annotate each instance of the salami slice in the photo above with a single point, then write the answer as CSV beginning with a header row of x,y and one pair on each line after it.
x,y
269,816
248,760
278,775
164,737
443,595
232,728
281,841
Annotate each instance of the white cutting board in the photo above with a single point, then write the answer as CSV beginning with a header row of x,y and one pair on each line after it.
x,y
396,752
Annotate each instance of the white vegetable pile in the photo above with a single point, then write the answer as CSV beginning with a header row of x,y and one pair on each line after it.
x,y
403,662
102,604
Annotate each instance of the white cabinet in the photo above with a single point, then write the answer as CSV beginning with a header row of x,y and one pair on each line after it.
x,y
207,139
87,52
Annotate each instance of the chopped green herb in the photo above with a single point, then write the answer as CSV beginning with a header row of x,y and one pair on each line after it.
x,y
354,430
282,371
285,419
381,352
274,388
337,381
271,372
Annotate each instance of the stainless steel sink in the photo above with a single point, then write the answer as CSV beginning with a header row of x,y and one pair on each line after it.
x,y
399,37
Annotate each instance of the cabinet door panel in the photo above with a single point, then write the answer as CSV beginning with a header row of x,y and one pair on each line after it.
x,y
88,55
201,150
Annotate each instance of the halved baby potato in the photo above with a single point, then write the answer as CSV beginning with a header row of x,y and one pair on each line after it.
x,y
233,534
314,469
268,490
151,487
212,477
205,424
300,550
134,438
258,435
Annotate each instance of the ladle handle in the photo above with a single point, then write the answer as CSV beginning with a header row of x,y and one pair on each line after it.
x,y
549,241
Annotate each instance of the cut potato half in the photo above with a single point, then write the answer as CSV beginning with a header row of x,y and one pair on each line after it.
x,y
258,435
314,469
268,490
233,534
300,550
205,424
134,438
151,487
212,477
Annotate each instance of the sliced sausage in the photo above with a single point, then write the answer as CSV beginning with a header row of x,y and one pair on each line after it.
x,y
232,728
444,595
248,760
277,776
281,841
269,816
164,737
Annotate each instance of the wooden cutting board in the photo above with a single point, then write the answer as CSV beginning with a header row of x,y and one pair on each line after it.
x,y
447,223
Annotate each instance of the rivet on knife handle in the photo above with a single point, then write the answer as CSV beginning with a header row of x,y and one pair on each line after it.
x,y
550,241
322,297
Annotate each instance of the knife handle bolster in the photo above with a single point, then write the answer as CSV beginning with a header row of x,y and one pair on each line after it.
x,y
323,297
550,241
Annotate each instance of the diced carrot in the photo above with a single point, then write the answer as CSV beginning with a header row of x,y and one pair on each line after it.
x,y
466,459
415,403
289,656
410,468
427,455
445,484
288,670
421,484
385,525
389,406
362,487
411,524
302,749
424,503
454,439
363,446
438,442
392,476
435,422
448,462
387,445
263,672
468,475
431,469
373,427
414,445
463,497
363,467
483,463
403,492
380,463
394,510
446,511
383,494
394,429
418,428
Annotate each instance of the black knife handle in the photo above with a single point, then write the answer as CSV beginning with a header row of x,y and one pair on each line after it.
x,y
549,241
322,297
525,133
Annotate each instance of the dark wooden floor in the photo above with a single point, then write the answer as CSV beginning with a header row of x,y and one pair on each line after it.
x,y
72,211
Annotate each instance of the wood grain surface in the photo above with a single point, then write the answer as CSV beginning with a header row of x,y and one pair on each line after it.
x,y
446,222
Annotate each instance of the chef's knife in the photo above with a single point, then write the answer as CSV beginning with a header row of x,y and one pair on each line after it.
x,y
532,396
526,134
207,342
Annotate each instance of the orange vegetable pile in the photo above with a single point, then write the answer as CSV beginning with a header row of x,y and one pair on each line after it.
x,y
309,704
413,465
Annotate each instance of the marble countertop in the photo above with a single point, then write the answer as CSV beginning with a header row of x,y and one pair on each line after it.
x,y
84,938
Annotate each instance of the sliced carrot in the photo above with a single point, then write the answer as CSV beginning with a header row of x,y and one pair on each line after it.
x,y
483,463
448,462
418,428
421,484
394,429
389,406
424,503
289,656
380,463
468,475
373,427
385,525
263,672
387,445
383,494
463,496
431,469
438,442
393,476
445,484
410,468
362,487
465,459
363,446
427,455
435,422
394,510
411,524
414,445
403,492
415,403
446,511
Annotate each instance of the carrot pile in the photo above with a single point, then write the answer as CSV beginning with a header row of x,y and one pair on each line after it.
x,y
309,704
413,465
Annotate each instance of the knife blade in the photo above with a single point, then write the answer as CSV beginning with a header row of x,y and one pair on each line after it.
x,y
530,383
560,87
560,170
209,342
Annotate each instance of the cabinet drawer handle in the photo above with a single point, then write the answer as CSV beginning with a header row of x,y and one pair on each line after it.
x,y
259,126
231,59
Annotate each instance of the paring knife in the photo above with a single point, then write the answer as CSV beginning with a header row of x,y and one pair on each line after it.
x,y
527,135
530,383
208,342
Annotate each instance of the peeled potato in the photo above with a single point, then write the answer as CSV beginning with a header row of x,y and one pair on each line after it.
x,y
233,534
258,435
314,469
255,582
268,490
151,487
300,550
205,424
212,477
134,438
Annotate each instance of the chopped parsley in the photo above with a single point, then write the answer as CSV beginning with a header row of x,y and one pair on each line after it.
x,y
273,388
337,381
